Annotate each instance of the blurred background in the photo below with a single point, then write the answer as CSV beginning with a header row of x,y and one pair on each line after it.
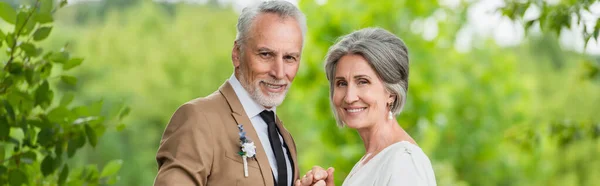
x,y
493,99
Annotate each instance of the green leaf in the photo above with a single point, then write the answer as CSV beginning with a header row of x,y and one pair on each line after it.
x,y
91,173
124,113
46,6
59,148
111,168
2,156
74,144
2,36
30,76
44,18
48,165
7,13
529,24
81,111
4,130
46,137
24,24
45,70
63,3
64,173
28,27
3,169
58,114
9,110
10,40
72,63
91,135
8,81
67,99
28,157
69,80
16,68
29,49
60,57
42,33
38,123
121,127
17,177
43,95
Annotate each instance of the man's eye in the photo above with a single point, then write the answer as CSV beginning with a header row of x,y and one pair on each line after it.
x,y
265,54
290,58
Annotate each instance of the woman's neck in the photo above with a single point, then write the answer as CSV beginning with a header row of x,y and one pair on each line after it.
x,y
381,135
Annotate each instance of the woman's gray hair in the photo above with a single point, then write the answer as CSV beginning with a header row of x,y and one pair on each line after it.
x,y
385,53
282,8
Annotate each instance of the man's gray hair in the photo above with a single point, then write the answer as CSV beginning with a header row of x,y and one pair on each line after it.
x,y
282,8
385,53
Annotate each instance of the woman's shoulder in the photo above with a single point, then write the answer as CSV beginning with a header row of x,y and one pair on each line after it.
x,y
405,148
408,161
407,151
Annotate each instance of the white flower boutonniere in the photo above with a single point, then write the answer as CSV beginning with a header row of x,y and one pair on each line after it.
x,y
248,149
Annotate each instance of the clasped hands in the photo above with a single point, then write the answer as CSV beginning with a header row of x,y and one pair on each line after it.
x,y
317,176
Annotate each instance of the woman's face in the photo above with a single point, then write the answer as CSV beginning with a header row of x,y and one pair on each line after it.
x,y
359,95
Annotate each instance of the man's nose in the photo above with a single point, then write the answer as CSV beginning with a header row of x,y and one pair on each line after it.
x,y
278,69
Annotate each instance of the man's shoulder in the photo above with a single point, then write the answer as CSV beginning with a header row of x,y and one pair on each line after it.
x,y
211,103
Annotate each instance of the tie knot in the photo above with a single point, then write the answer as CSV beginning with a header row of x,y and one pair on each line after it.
x,y
268,116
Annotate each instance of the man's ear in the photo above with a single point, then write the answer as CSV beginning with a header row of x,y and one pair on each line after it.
x,y
235,54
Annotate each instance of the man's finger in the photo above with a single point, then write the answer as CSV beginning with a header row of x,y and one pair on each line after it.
x,y
330,181
320,183
319,173
308,178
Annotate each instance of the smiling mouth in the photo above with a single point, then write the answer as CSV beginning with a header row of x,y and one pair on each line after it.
x,y
355,110
274,87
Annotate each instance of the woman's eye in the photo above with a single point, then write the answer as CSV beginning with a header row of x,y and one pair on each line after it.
x,y
340,83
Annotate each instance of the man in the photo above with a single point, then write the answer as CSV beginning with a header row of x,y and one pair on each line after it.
x,y
201,144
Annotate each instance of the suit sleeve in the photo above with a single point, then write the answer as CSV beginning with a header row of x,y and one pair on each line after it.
x,y
185,154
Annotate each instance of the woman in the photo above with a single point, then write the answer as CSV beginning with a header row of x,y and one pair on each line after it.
x,y
368,77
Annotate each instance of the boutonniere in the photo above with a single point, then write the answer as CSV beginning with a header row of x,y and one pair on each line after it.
x,y
248,150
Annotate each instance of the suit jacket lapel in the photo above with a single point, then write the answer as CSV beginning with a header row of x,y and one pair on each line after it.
x,y
240,116
287,137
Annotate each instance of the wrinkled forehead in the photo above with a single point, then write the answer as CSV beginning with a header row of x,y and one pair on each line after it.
x,y
276,33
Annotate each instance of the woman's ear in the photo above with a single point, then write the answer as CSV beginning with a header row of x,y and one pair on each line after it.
x,y
391,99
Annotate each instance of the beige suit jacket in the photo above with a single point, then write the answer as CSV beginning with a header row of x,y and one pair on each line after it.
x,y
200,145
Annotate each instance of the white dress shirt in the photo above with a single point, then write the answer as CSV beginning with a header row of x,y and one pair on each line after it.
x,y
253,110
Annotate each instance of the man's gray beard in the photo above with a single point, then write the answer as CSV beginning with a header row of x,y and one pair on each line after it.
x,y
253,88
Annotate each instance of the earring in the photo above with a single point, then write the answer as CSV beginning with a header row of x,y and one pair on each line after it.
x,y
390,114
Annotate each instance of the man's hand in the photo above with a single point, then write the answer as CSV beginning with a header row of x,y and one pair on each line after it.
x,y
317,177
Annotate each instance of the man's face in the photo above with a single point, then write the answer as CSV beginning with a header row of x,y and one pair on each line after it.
x,y
267,61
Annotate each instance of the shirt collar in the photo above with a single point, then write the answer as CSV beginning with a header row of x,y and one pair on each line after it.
x,y
250,106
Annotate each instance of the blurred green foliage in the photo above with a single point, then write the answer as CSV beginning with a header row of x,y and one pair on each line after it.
x,y
490,116
554,16
38,133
